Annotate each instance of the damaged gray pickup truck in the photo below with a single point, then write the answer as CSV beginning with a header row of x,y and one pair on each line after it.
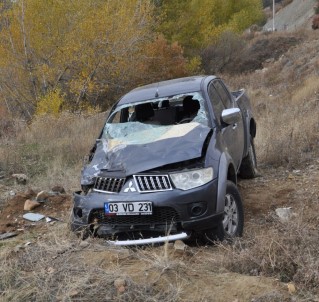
x,y
165,165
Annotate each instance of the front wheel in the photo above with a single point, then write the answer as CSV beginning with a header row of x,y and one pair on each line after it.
x,y
248,168
232,223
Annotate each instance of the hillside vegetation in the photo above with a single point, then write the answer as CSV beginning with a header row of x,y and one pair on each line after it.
x,y
50,98
78,55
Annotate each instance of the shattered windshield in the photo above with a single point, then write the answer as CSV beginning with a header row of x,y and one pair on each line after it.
x,y
151,120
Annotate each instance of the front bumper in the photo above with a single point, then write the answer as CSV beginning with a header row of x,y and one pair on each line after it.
x,y
174,211
141,241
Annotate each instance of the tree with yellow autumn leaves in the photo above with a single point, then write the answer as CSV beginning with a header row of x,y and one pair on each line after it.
x,y
73,55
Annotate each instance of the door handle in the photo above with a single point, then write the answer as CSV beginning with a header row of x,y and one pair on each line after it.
x,y
234,126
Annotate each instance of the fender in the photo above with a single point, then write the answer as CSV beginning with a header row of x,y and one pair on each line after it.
x,y
225,161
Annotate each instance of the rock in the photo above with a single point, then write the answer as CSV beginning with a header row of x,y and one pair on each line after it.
x,y
7,235
84,244
119,282
29,194
73,293
179,245
121,289
58,189
18,248
42,196
29,205
51,270
284,214
290,176
291,288
20,178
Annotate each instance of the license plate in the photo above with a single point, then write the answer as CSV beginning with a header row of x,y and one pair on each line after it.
x,y
128,208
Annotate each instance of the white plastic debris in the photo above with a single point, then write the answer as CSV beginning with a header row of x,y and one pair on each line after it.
x,y
33,216
284,214
51,219
7,235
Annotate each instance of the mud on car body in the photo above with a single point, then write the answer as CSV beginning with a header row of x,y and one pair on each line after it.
x,y
165,164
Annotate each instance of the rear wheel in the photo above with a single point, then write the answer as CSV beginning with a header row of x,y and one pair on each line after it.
x,y
232,223
248,168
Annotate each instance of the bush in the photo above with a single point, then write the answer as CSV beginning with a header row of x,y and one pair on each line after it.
x,y
219,56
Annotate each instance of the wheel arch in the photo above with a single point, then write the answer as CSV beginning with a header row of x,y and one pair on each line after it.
x,y
226,172
252,127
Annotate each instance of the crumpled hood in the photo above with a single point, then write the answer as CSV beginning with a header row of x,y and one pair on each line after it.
x,y
114,157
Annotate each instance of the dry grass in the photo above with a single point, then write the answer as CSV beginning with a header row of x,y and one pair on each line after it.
x,y
58,268
287,252
50,151
285,98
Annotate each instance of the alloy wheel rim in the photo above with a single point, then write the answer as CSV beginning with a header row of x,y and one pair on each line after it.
x,y
230,221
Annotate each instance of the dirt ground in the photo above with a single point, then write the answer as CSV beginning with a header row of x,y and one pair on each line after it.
x,y
191,274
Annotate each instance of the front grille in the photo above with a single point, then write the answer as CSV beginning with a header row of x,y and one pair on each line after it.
x,y
161,215
108,184
153,183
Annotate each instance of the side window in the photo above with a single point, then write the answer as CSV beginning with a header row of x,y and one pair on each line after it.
x,y
120,116
217,104
224,95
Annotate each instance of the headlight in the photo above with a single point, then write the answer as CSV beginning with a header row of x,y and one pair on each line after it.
x,y
192,179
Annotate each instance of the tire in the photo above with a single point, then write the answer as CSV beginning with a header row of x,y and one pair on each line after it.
x,y
232,223
248,168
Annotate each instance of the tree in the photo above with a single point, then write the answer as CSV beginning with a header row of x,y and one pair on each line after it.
x,y
87,48
196,23
161,60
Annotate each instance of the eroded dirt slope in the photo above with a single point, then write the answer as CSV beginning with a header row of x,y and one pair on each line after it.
x,y
294,16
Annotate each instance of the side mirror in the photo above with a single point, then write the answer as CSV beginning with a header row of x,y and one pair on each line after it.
x,y
231,116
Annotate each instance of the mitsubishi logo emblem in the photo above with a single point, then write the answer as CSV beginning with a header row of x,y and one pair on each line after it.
x,y
130,188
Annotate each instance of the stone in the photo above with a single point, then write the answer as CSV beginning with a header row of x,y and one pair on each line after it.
x,y
20,178
284,214
42,196
291,288
29,194
7,235
84,244
179,245
17,248
121,289
29,205
119,282
58,189
51,270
